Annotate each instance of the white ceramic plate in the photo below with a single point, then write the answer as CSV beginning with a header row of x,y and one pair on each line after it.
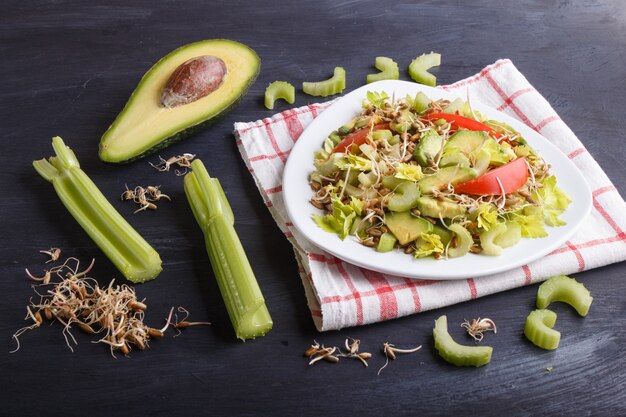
x,y
297,193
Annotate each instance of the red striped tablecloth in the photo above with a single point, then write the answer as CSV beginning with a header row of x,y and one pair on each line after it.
x,y
343,295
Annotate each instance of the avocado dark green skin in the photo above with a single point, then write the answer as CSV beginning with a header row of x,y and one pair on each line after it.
x,y
191,130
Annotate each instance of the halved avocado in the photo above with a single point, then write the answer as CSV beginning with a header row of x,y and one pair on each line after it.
x,y
145,125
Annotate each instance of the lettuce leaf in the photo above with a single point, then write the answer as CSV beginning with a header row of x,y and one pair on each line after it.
x,y
408,172
531,221
427,244
486,216
342,218
553,201
355,162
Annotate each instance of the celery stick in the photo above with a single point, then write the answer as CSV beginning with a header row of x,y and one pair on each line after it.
x,y
418,70
278,90
240,290
455,353
388,70
538,329
334,85
565,289
128,251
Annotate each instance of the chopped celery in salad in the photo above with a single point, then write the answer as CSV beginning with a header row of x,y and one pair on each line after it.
x,y
432,178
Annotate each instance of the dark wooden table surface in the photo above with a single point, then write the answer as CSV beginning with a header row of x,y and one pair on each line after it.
x,y
67,68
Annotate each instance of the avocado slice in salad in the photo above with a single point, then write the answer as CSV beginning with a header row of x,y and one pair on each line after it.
x,y
449,175
406,227
432,207
183,92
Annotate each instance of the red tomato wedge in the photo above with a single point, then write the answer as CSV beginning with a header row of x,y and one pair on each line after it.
x,y
512,176
458,121
358,138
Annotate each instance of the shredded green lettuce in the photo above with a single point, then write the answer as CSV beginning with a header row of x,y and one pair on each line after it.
x,y
355,162
342,218
553,201
408,172
486,216
427,244
530,220
375,99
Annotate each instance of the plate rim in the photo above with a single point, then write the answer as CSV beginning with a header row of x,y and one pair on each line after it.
x,y
583,204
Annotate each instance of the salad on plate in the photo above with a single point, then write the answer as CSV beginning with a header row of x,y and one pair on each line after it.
x,y
432,178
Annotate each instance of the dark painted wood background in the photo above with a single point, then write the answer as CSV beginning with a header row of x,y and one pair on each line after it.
x,y
67,68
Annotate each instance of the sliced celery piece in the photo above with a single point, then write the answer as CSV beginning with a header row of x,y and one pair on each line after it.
x,y
405,197
455,106
278,90
128,251
334,85
421,102
464,241
510,236
455,353
538,329
565,289
240,290
388,70
487,238
386,243
418,69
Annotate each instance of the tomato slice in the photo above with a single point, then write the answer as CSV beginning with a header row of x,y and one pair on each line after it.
x,y
512,176
457,121
359,137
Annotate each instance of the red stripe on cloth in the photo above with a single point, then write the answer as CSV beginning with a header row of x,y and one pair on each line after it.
x,y
472,288
316,313
288,235
313,110
238,142
579,256
386,296
416,297
603,213
515,95
269,204
577,152
371,293
294,127
273,141
321,258
355,293
504,97
591,243
288,224
527,275
264,156
273,190
546,122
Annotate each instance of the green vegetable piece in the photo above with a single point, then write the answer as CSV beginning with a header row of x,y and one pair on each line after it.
x,y
464,241
240,290
392,182
279,90
451,175
406,227
421,102
388,70
432,207
455,353
510,236
428,148
382,134
487,238
454,107
405,197
565,289
184,92
538,329
454,159
444,234
418,69
345,129
128,251
334,85
329,166
386,243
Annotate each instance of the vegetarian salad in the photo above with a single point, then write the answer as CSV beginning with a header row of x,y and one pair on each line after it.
x,y
432,178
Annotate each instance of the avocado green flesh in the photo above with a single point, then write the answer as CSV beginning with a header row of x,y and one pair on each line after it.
x,y
449,175
406,227
144,126
432,207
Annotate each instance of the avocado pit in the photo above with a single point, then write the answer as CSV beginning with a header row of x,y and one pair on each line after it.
x,y
192,80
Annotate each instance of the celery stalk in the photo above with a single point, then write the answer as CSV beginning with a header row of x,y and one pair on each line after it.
x,y
240,290
128,251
